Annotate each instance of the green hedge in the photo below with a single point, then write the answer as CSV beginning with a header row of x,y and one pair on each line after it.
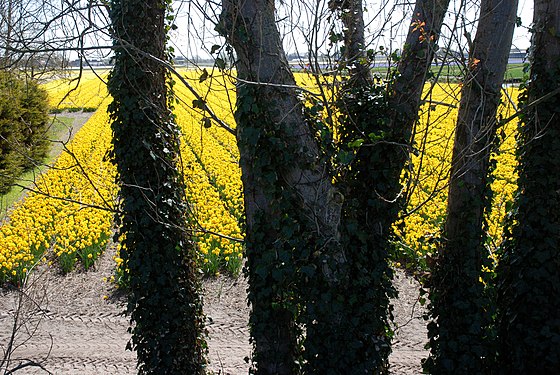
x,y
23,126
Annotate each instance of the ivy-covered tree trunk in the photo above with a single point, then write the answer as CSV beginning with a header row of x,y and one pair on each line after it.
x,y
289,207
459,307
375,129
299,270
366,217
164,304
376,124
529,270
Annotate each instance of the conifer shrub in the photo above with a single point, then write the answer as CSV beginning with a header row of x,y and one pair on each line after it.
x,y
23,126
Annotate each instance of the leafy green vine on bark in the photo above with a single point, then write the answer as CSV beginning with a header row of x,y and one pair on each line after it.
x,y
164,303
281,238
369,181
528,302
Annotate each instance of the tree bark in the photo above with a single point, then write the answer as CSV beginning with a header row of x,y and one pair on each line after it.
x,y
529,270
164,304
457,296
413,68
289,207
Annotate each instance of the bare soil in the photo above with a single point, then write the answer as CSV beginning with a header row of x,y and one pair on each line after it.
x,y
74,324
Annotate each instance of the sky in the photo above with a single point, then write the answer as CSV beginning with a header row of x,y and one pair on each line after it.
x,y
521,37
192,39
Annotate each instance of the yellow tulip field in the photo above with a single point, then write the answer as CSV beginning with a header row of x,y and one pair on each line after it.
x,y
77,92
66,220
67,217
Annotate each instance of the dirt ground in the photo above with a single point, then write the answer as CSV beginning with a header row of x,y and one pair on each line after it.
x,y
74,325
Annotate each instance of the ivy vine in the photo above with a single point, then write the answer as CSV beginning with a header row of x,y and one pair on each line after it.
x,y
528,323
159,255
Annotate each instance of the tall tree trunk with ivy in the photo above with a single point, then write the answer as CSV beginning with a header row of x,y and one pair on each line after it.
x,y
529,268
164,304
295,258
365,224
460,307
289,207
376,124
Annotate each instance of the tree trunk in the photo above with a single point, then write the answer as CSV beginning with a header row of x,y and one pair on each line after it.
x,y
164,304
294,257
529,270
362,104
414,66
375,129
290,211
459,307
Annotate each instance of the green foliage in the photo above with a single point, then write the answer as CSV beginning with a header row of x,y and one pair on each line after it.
x,y
528,321
368,178
23,126
460,332
164,303
278,237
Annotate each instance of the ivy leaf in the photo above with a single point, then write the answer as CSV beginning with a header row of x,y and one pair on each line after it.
x,y
199,103
204,76
214,48
206,122
356,143
308,270
376,137
220,63
345,157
